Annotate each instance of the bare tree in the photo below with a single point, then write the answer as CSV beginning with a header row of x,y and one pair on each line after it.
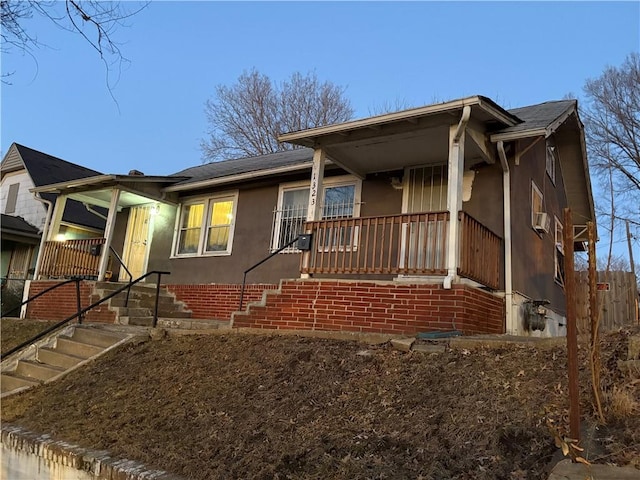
x,y
246,118
94,20
612,126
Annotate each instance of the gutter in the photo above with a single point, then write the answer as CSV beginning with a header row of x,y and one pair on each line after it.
x,y
96,213
45,231
508,278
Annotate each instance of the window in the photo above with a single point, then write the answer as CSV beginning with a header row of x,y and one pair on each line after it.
x,y
12,198
205,226
552,159
427,190
341,200
559,251
536,202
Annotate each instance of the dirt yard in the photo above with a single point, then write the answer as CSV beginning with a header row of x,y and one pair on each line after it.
x,y
15,331
264,407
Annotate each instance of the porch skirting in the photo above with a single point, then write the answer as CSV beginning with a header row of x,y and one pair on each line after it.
x,y
375,307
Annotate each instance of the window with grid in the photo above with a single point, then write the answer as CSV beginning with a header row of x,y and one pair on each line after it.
x,y
290,215
536,202
205,226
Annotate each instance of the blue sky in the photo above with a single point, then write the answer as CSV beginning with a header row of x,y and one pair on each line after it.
x,y
414,52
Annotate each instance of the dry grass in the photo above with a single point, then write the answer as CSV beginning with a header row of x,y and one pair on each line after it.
x,y
14,331
244,406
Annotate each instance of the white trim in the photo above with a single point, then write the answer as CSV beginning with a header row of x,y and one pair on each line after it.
x,y
241,176
207,201
329,182
303,136
534,187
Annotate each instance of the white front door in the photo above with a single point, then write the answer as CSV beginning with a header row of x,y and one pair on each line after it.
x,y
137,241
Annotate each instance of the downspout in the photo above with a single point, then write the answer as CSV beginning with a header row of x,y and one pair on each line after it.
x,y
454,166
91,210
45,231
508,280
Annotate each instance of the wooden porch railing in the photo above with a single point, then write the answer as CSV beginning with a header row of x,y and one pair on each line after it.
x,y
407,244
70,258
480,252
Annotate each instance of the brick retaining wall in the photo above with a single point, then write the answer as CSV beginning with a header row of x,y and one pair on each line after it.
x,y
61,303
217,300
377,307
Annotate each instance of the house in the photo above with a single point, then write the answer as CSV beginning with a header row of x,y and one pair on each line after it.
x,y
24,216
443,217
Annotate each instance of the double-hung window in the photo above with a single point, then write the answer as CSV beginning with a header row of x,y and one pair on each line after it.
x,y
205,226
341,199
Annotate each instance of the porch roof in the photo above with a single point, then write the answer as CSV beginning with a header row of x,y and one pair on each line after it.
x,y
18,229
96,190
410,137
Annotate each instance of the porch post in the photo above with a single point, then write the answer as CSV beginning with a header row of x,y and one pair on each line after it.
x,y
454,194
56,218
314,210
108,233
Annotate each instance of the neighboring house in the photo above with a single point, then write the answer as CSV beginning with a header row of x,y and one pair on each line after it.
x,y
443,217
24,216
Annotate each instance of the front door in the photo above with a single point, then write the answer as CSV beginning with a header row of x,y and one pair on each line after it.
x,y
137,240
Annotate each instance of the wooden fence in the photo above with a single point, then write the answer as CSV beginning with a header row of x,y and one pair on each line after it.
x,y
617,300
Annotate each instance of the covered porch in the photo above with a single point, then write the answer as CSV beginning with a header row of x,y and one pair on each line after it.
x,y
435,153
130,201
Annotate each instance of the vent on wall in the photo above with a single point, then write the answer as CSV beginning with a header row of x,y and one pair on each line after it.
x,y
542,222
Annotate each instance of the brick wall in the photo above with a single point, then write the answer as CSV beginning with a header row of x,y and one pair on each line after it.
x,y
217,301
61,303
377,307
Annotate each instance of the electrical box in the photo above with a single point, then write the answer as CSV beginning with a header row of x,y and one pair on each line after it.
x,y
96,250
304,242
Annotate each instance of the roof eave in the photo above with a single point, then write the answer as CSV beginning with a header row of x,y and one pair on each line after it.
x,y
305,137
509,136
211,182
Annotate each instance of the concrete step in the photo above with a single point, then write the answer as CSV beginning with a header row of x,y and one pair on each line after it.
x,y
137,321
95,337
58,359
67,345
192,324
38,371
10,382
132,312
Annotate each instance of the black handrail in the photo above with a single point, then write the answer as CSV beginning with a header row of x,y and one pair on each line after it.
x,y
126,302
46,290
95,304
244,277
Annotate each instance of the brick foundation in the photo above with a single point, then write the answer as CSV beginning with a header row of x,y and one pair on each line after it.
x,y
217,301
377,307
61,303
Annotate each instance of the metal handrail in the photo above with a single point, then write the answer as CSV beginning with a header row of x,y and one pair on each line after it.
x,y
126,302
95,304
272,254
37,295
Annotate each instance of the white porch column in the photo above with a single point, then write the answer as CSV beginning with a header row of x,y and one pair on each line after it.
x,y
56,217
108,233
314,210
454,194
